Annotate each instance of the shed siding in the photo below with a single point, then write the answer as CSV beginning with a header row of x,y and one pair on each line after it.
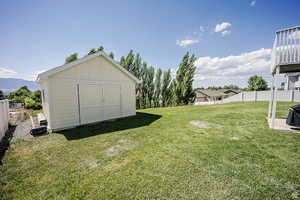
x,y
63,90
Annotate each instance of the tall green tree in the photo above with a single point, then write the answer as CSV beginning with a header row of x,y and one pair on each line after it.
x,y
256,83
101,48
128,61
71,58
1,95
143,87
137,72
150,86
183,91
166,88
111,55
157,83
92,51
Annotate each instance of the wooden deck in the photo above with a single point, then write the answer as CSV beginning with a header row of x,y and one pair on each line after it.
x,y
286,50
280,124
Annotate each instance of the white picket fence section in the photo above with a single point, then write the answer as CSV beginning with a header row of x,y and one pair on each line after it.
x,y
4,108
281,95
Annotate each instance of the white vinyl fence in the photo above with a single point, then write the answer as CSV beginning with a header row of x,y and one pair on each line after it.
x,y
3,117
281,95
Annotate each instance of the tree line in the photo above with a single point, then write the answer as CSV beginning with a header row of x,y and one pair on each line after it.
x,y
30,99
157,87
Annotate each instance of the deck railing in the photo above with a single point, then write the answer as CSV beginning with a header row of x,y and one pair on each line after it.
x,y
286,48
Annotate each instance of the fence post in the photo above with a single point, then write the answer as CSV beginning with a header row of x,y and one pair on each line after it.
x,y
242,96
255,95
292,96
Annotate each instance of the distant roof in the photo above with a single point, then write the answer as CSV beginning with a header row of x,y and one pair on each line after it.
x,y
46,74
230,90
210,93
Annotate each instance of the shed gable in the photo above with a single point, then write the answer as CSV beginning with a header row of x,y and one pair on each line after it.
x,y
95,69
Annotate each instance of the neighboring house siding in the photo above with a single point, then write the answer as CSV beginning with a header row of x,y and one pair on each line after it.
x,y
63,90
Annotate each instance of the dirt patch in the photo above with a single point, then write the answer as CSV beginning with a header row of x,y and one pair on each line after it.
x,y
116,165
234,138
122,145
92,163
200,124
22,130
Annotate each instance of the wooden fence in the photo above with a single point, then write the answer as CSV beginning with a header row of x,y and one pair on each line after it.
x,y
4,106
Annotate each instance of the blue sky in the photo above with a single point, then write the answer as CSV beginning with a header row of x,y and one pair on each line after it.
x,y
231,38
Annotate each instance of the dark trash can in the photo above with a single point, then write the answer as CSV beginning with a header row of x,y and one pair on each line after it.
x,y
293,118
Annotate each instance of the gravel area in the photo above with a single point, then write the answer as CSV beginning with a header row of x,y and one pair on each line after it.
x,y
22,130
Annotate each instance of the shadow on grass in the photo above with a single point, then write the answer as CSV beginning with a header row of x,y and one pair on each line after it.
x,y
139,120
5,142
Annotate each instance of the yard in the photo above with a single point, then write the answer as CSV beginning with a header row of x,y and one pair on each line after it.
x,y
190,152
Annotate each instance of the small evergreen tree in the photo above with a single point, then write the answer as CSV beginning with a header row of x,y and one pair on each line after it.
x,y
111,55
101,48
71,58
92,51
1,95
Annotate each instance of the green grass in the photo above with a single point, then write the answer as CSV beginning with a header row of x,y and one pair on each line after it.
x,y
158,154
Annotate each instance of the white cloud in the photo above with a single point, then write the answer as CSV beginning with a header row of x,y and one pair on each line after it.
x,y
8,73
226,32
222,26
252,3
184,43
234,67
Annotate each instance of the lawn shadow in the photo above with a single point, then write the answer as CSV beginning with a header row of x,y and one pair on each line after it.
x,y
5,142
139,120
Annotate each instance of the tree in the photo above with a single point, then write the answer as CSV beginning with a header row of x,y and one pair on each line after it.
x,y
257,83
157,83
101,48
183,86
143,87
127,62
165,88
71,58
150,85
92,51
137,67
231,86
111,55
1,95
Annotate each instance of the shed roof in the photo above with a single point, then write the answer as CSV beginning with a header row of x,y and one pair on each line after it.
x,y
45,75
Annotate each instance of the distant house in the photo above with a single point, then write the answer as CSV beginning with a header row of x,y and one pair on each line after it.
x,y
292,81
230,92
211,96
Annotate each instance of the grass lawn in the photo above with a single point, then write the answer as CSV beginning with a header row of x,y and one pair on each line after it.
x,y
159,154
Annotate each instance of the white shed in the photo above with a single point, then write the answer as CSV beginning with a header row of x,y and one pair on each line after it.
x,y
91,89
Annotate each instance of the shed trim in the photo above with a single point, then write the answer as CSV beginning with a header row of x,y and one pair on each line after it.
x,y
45,75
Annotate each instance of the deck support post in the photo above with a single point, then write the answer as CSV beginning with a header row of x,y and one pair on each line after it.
x,y
274,104
271,97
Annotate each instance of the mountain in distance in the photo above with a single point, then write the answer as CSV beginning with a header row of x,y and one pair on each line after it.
x,y
10,84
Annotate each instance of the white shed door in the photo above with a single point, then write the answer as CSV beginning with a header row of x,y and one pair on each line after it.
x,y
112,101
99,102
